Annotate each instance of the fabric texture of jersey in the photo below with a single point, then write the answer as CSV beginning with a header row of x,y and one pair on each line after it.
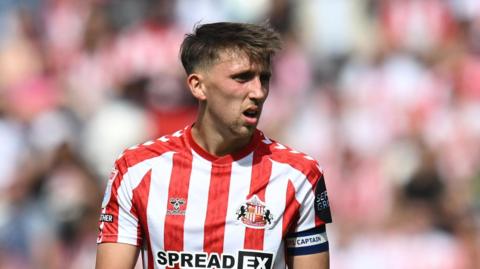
x,y
187,208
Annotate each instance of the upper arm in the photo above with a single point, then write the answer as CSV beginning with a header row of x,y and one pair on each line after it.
x,y
116,255
308,248
315,261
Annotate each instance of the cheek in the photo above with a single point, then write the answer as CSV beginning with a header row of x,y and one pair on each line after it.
x,y
224,104
230,95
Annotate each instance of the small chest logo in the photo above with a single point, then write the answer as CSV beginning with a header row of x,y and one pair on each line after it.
x,y
255,214
177,204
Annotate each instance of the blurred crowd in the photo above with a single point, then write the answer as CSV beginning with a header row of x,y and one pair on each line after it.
x,y
384,93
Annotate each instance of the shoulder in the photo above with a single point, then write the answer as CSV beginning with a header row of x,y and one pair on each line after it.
x,y
151,149
297,160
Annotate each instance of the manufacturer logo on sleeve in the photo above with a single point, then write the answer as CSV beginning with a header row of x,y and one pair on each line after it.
x,y
255,214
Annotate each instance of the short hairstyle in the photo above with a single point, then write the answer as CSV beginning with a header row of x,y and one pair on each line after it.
x,y
203,47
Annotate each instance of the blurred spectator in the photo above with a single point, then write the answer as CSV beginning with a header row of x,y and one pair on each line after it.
x,y
385,94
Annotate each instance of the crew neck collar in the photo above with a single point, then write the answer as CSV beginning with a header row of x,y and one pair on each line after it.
x,y
225,159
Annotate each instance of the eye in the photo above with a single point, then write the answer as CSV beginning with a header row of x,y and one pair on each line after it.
x,y
243,77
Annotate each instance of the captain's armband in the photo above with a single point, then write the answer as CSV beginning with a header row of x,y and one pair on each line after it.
x,y
307,242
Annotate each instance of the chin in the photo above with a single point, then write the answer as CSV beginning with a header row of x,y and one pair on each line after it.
x,y
244,131
249,130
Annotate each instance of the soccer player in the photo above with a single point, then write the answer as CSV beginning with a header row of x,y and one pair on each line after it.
x,y
219,193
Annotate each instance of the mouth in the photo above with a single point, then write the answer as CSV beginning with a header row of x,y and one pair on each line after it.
x,y
251,115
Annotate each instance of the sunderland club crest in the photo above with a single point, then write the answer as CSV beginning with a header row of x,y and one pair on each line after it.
x,y
255,214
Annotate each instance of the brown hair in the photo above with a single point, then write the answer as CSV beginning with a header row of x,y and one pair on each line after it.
x,y
202,47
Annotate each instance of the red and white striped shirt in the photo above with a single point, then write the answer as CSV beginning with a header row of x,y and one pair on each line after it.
x,y
187,208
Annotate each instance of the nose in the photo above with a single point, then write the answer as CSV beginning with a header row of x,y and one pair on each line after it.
x,y
259,89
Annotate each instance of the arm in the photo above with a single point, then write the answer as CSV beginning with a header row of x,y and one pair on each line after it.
x,y
309,248
115,249
116,255
313,261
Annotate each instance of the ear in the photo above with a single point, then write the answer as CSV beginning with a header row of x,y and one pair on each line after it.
x,y
195,83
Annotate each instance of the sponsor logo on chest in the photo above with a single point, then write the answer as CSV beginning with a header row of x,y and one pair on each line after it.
x,y
243,260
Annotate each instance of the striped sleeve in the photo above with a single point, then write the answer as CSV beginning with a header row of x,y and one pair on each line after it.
x,y
311,193
308,235
118,221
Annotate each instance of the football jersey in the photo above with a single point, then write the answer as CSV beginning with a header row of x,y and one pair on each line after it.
x,y
186,208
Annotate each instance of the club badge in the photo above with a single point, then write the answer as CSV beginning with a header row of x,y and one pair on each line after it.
x,y
255,214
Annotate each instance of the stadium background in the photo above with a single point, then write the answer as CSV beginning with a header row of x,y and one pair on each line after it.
x,y
385,94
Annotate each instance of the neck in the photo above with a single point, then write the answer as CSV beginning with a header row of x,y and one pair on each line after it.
x,y
218,142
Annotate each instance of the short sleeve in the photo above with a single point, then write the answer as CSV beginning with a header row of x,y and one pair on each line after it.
x,y
118,221
308,235
314,207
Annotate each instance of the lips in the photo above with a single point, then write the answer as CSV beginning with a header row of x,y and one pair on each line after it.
x,y
251,115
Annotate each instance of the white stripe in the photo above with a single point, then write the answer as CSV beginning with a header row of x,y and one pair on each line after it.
x,y
275,196
158,199
305,197
148,143
133,147
280,146
127,222
163,139
237,195
197,203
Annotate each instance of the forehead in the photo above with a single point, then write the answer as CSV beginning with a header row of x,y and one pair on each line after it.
x,y
236,60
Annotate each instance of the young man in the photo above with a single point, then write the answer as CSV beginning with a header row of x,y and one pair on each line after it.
x,y
217,194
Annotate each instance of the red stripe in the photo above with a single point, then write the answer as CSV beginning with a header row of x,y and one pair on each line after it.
x,y
261,171
217,208
109,233
178,189
140,200
291,209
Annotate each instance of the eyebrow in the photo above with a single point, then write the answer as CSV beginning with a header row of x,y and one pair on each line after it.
x,y
250,72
